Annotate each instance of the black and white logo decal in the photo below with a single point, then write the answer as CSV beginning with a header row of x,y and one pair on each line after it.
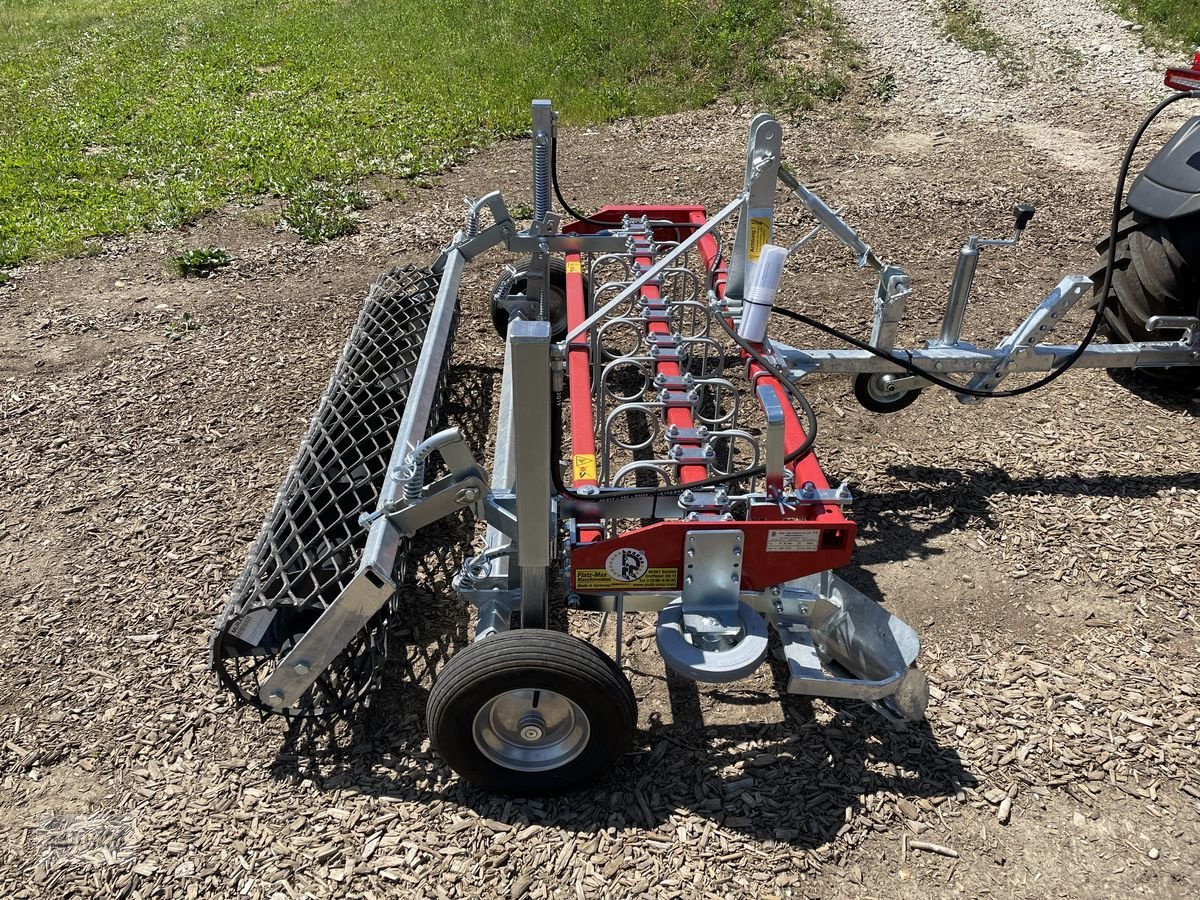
x,y
626,565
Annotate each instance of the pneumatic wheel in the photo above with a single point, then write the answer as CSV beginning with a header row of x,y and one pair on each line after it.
x,y
518,283
871,391
530,711
1156,273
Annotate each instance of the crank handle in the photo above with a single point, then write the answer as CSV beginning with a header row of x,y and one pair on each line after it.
x,y
1023,214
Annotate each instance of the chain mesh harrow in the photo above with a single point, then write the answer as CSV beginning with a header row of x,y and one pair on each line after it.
x,y
309,547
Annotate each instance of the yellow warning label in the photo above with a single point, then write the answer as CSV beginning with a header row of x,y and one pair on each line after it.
x,y
760,233
585,467
574,267
599,579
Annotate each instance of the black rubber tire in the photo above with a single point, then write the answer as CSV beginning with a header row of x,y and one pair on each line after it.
x,y
531,658
1156,273
869,399
556,302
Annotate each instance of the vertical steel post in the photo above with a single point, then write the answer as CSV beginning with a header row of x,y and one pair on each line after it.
x,y
960,293
529,348
757,219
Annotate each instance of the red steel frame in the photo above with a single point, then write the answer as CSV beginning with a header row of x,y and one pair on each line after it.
x,y
768,561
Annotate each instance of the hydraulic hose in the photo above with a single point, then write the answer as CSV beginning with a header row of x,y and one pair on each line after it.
x,y
1097,318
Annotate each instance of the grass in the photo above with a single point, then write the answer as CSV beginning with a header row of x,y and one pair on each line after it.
x,y
1175,20
129,114
199,262
962,21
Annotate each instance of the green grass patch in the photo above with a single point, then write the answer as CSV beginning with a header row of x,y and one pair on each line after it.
x,y
199,262
129,114
1174,20
962,21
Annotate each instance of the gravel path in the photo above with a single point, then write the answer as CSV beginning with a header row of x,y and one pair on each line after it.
x,y
1045,548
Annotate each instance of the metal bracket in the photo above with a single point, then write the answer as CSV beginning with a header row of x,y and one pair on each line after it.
x,y
438,500
838,642
763,152
1036,327
712,582
1189,324
774,440
890,295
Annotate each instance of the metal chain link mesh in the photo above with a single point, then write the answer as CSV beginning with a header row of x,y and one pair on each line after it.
x,y
309,546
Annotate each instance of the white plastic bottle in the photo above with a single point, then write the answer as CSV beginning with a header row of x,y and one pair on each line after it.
x,y
760,292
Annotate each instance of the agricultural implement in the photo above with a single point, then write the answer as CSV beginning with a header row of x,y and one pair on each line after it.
x,y
653,453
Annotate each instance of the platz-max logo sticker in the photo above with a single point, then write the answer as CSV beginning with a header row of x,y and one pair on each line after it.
x,y
626,564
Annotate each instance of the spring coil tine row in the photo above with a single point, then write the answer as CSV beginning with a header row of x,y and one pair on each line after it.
x,y
662,476
630,415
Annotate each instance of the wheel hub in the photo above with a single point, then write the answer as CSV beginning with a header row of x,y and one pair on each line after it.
x,y
531,730
532,726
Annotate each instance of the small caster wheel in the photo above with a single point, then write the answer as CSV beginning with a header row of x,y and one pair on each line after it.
x,y
517,283
531,712
717,664
872,392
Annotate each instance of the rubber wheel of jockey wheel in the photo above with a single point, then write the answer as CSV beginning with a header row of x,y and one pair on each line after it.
x,y
530,712
870,390
1156,273
556,298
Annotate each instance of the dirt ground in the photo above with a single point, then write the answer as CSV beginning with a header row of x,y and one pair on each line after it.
x,y
1044,547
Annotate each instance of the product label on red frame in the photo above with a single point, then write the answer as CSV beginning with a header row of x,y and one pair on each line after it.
x,y
793,540
651,580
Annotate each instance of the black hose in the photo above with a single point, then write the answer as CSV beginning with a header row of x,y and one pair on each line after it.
x,y
562,201
1059,370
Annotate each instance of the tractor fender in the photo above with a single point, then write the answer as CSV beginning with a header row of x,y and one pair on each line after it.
x,y
1169,187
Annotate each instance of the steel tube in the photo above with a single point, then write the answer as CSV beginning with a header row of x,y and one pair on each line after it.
x,y
683,247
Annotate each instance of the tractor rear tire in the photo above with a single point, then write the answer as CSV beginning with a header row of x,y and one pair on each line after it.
x,y
1156,273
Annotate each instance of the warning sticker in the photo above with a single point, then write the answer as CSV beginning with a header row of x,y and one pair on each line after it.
x,y
574,267
760,233
651,579
584,466
793,540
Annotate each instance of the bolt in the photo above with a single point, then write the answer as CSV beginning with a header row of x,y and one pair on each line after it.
x,y
275,698
737,551
939,365
735,578
688,580
589,490
532,727
687,497
466,495
302,667
572,601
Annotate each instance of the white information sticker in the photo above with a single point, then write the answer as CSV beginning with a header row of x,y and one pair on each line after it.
x,y
793,540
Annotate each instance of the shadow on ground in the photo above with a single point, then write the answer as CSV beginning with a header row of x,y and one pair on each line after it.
x,y
797,781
